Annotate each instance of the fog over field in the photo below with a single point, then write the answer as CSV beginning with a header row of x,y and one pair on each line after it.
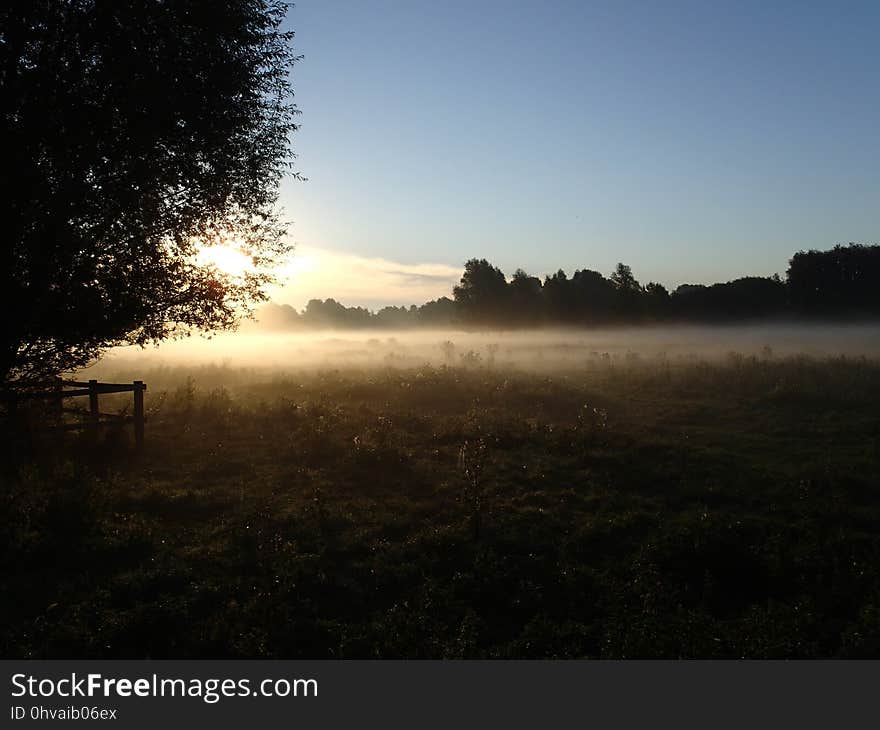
x,y
531,350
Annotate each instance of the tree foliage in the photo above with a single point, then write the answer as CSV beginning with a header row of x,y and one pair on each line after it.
x,y
134,133
482,295
842,281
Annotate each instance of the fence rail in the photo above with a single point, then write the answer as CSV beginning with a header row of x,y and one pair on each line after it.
x,y
61,389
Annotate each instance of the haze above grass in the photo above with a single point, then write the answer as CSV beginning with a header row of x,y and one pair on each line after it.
x,y
546,349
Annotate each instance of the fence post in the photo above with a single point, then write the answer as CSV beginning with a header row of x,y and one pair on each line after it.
x,y
58,400
93,409
139,415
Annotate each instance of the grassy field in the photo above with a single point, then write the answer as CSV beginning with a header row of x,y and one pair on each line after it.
x,y
617,507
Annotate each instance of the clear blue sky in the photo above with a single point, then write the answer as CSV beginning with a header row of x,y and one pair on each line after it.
x,y
696,141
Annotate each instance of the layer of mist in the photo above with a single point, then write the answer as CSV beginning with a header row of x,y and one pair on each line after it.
x,y
564,349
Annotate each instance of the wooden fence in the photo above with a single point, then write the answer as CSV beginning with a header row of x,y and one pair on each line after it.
x,y
93,418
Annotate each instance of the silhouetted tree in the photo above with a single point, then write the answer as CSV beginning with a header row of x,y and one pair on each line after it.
x,y
526,299
134,132
841,282
844,280
482,296
624,281
438,313
331,314
593,297
657,301
745,298
628,292
558,297
396,317
273,316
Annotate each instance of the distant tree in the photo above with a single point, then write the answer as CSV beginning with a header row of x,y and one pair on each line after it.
x,y
657,300
273,316
628,292
746,298
593,297
437,313
331,314
133,133
624,281
395,317
844,280
558,297
482,295
526,299
750,297
658,291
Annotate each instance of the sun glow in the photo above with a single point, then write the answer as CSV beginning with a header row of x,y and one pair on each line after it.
x,y
228,259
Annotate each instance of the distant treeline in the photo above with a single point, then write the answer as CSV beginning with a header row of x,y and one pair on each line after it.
x,y
843,283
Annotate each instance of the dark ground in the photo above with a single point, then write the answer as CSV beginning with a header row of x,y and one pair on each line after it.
x,y
625,509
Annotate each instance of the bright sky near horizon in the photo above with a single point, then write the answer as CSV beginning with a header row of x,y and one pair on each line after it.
x,y
695,141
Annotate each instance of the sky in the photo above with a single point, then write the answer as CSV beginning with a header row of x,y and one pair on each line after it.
x,y
694,141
